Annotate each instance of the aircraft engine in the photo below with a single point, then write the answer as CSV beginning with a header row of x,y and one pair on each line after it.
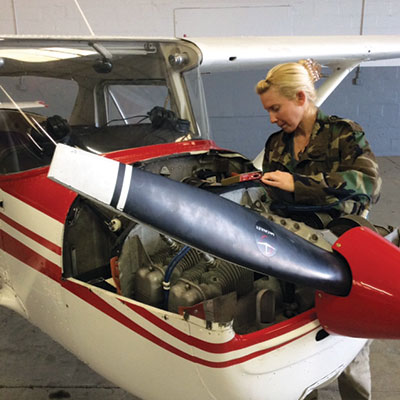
x,y
157,270
147,273
158,281
343,275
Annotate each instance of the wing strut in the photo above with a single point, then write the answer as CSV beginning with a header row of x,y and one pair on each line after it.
x,y
340,71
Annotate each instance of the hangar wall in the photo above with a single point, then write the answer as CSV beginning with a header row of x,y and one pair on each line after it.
x,y
237,119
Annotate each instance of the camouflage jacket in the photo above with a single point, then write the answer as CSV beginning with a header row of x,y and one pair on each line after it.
x,y
336,163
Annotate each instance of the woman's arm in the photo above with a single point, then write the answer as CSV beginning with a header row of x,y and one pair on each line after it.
x,y
356,171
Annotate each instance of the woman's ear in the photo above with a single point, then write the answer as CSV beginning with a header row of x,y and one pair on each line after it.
x,y
301,98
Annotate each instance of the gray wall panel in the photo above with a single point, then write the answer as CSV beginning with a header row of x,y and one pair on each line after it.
x,y
237,117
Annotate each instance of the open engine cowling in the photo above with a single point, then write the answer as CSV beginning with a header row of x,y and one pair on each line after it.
x,y
233,233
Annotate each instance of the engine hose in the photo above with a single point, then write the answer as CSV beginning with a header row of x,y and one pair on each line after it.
x,y
191,259
168,273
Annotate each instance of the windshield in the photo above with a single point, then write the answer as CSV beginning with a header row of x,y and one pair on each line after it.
x,y
99,96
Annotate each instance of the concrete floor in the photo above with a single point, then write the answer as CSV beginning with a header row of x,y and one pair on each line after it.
x,y
34,367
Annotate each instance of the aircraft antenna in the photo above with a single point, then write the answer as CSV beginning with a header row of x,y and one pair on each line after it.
x,y
84,17
15,18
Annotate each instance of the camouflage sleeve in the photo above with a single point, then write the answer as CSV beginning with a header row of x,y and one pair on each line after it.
x,y
355,171
270,147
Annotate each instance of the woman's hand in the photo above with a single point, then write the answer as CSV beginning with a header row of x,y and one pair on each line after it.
x,y
279,179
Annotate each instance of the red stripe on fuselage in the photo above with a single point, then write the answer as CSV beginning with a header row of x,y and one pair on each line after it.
x,y
28,256
239,341
34,236
87,295
36,190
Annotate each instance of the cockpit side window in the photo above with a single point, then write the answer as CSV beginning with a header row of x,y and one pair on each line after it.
x,y
25,103
43,95
16,150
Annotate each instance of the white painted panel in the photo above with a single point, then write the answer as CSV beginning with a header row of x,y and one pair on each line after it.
x,y
7,19
44,17
327,17
382,17
234,21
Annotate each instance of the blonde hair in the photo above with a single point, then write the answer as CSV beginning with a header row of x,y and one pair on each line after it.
x,y
290,78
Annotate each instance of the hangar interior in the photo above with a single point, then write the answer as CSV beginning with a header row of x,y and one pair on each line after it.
x,y
33,366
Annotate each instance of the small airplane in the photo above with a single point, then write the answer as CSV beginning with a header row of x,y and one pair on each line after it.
x,y
132,239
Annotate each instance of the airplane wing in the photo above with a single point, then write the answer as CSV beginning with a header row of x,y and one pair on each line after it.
x,y
244,53
339,53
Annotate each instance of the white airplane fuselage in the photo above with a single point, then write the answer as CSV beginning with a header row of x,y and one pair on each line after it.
x,y
130,343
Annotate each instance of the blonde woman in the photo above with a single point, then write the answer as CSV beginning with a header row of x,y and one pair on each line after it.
x,y
314,159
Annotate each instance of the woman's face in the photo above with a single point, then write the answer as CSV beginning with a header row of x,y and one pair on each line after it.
x,y
287,114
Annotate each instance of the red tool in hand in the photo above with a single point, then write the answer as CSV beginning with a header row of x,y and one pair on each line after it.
x,y
247,176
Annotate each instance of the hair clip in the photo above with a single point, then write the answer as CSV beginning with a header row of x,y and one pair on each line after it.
x,y
313,68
